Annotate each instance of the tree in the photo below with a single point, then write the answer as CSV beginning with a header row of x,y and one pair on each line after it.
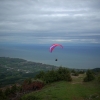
x,y
76,73
64,74
72,71
40,75
50,76
89,76
55,75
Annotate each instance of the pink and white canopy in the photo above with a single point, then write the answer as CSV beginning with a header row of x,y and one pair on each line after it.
x,y
54,45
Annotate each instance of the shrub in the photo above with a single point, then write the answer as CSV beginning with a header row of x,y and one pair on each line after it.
x,y
89,76
55,75
99,79
75,74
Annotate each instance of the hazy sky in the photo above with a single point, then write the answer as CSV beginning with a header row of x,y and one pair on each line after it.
x,y
50,21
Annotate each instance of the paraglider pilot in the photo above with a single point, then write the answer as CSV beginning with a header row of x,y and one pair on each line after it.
x,y
55,59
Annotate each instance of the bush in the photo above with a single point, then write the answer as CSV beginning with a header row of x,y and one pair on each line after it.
x,y
55,75
75,74
99,79
89,76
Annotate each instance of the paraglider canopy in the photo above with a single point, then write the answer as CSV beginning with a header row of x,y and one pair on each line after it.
x,y
55,45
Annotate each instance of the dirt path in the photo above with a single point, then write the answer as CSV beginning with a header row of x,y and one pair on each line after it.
x,y
78,79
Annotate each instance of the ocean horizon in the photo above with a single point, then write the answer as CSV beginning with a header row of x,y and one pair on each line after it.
x,y
81,57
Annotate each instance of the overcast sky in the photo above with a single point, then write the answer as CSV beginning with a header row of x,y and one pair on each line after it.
x,y
50,21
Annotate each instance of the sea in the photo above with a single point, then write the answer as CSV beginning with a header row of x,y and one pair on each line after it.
x,y
70,56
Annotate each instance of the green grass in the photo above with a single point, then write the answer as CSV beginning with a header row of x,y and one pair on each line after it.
x,y
75,90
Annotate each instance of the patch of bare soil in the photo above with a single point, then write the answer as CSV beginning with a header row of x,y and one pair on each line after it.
x,y
77,79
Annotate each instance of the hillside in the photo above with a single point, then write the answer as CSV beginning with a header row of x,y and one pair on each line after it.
x,y
43,82
96,69
62,90
15,70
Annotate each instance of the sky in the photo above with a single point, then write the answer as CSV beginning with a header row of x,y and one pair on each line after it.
x,y
50,21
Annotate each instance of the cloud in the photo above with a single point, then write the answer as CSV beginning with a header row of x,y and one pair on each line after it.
x,y
39,21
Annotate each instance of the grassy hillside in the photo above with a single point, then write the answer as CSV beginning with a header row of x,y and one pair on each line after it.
x,y
15,70
75,90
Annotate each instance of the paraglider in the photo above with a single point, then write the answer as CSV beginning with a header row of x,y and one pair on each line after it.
x,y
55,59
55,45
52,47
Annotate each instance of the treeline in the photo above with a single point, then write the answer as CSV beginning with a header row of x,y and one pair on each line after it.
x,y
55,75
